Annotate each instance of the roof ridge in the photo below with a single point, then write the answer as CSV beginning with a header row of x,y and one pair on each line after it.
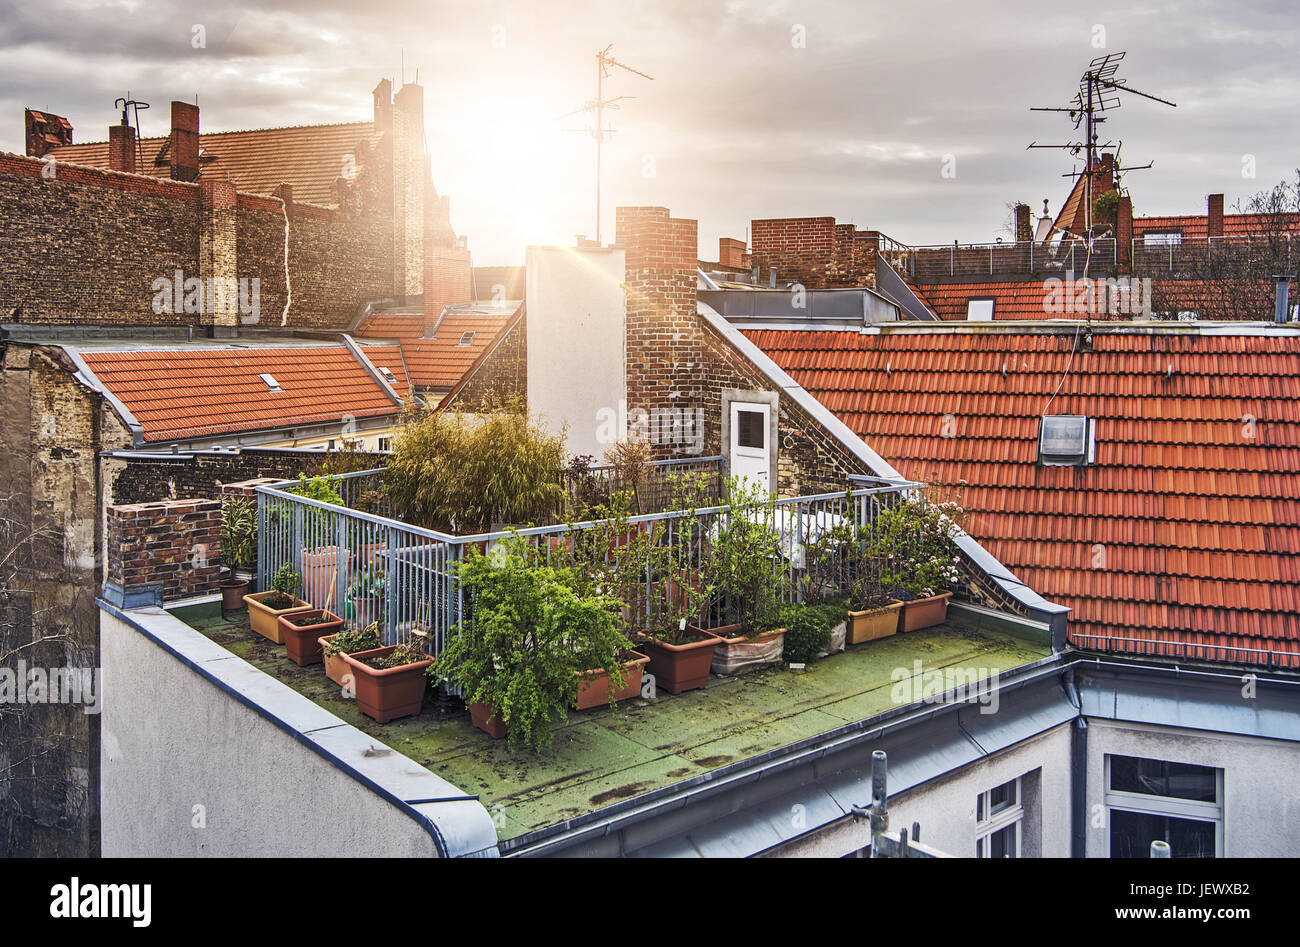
x,y
231,131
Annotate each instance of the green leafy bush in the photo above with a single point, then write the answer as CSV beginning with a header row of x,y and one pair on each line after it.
x,y
746,561
530,627
807,632
352,640
238,533
286,580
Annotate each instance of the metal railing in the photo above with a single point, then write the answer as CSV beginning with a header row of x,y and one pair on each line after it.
x,y
1022,258
655,491
366,567
1263,255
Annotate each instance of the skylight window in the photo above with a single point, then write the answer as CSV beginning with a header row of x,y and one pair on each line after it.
x,y
388,375
466,339
271,383
1065,440
979,310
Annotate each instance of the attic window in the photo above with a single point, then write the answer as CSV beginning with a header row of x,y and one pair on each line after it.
x,y
466,339
979,310
389,376
270,381
1066,440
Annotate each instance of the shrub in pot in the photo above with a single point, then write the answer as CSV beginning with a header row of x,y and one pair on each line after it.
x,y
389,682
531,634
920,558
238,533
335,646
750,575
807,633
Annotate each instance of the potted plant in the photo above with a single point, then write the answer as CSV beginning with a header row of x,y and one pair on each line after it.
x,y
266,608
389,682
335,646
873,613
238,531
368,596
807,635
680,651
530,636
303,633
921,564
324,565
751,576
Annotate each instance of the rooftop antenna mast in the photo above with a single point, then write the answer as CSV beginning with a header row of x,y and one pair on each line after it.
x,y
134,105
605,66
1099,92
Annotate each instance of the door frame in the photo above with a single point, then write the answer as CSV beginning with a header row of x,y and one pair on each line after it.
x,y
768,398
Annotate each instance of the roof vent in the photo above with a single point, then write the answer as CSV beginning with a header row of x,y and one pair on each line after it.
x,y
466,339
270,381
1066,440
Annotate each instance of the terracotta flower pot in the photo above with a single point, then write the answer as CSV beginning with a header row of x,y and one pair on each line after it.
x,y
232,594
336,669
681,667
481,716
593,686
391,693
303,642
266,621
324,569
873,623
925,612
737,653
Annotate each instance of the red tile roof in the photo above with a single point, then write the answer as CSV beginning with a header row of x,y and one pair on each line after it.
x,y
1185,529
439,363
390,357
1021,299
308,157
182,394
1193,226
394,325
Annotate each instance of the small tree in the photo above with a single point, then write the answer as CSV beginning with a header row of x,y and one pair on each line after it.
x,y
746,560
238,533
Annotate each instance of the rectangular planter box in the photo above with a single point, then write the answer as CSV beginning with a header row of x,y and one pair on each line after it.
x,y
593,687
736,653
925,612
266,621
873,624
479,714
303,642
391,693
336,669
681,667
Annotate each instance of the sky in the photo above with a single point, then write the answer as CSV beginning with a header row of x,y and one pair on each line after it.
x,y
910,118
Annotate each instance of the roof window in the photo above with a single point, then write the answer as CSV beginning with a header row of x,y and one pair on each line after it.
x,y
1066,440
979,310
466,339
271,383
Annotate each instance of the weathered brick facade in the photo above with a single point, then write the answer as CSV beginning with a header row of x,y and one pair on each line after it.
x,y
501,376
815,251
175,544
674,360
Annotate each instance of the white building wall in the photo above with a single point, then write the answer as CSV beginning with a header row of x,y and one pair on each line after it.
x,y
1261,783
575,326
945,807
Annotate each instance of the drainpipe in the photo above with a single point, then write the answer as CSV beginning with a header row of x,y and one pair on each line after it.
x,y
1078,771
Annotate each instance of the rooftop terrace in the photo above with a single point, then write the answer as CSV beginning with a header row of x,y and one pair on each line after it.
x,y
601,758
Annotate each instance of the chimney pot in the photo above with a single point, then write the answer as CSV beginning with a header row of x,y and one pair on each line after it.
x,y
121,148
183,149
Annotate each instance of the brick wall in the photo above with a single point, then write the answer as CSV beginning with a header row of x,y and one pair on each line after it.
x,y
675,360
502,375
815,251
87,245
173,543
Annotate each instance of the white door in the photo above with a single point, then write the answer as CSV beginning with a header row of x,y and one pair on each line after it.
x,y
751,452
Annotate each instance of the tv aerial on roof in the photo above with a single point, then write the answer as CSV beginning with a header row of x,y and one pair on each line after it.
x,y
605,66
1101,90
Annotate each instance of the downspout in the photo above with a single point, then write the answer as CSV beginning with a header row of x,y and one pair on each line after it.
x,y
288,290
1078,771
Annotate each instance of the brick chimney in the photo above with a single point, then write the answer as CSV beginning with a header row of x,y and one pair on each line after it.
x,y
731,252
1214,216
1124,233
1024,224
218,202
121,147
45,131
183,148
410,183
446,264
664,341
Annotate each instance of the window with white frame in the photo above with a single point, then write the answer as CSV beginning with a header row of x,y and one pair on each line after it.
x,y
999,813
1158,800
979,309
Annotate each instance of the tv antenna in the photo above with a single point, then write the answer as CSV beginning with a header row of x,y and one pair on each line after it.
x,y
1099,92
134,105
605,66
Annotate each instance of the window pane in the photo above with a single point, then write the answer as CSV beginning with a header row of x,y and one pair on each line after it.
x,y
1003,797
1161,778
750,429
1131,835
1002,844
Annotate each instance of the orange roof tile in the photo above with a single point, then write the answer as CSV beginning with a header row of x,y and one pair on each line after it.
x,y
1185,529
308,157
183,394
1196,226
439,363
390,357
